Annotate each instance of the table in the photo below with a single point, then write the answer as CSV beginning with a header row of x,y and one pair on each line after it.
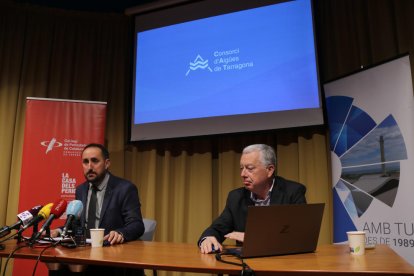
x,y
327,260
335,260
137,254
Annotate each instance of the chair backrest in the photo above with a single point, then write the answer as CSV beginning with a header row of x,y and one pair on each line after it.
x,y
150,226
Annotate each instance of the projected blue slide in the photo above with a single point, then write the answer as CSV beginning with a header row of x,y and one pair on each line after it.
x,y
254,61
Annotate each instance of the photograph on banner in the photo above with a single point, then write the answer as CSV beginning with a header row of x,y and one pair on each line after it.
x,y
371,125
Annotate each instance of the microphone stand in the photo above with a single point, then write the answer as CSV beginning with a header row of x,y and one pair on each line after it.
x,y
48,232
20,235
35,230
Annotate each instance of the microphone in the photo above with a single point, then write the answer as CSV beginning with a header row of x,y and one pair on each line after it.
x,y
43,214
73,211
57,210
24,218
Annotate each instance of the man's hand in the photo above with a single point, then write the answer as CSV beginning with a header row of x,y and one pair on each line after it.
x,y
208,243
114,237
238,236
54,233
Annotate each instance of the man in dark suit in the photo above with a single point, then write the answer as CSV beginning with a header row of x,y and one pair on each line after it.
x,y
110,202
116,206
261,188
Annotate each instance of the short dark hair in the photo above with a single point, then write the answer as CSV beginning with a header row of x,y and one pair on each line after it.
x,y
104,151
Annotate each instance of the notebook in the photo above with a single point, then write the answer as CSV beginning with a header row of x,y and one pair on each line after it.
x,y
280,229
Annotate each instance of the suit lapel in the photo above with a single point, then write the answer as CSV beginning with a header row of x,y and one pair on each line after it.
x,y
107,198
277,193
84,199
244,207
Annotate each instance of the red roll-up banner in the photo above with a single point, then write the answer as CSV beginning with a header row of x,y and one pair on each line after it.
x,y
55,133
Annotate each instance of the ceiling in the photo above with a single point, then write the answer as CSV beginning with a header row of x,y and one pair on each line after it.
x,y
116,6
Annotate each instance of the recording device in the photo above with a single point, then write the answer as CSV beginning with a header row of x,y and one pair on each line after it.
x,y
24,218
57,210
80,235
43,214
73,212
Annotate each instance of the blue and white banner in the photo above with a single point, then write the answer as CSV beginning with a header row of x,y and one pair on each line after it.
x,y
371,121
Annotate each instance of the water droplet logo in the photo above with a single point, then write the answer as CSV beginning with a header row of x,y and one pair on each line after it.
x,y
199,63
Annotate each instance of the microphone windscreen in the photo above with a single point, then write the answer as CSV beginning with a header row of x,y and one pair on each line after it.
x,y
26,216
44,213
75,208
35,210
59,208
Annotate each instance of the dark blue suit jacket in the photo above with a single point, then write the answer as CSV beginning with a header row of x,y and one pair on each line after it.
x,y
233,217
121,208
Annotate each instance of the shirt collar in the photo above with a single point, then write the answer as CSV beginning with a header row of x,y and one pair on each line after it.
x,y
101,186
256,200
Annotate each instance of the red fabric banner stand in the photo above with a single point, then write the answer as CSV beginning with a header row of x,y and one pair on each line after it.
x,y
55,133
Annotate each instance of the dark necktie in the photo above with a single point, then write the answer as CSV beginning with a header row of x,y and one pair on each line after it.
x,y
92,208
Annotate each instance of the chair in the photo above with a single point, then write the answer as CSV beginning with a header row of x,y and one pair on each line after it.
x,y
150,226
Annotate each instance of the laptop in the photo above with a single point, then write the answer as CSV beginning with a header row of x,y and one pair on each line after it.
x,y
280,230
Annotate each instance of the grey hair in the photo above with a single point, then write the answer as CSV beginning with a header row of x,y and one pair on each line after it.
x,y
267,156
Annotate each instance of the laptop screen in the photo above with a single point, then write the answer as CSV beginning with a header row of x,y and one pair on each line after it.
x,y
282,229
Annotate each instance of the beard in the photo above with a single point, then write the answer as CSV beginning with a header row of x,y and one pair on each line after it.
x,y
96,179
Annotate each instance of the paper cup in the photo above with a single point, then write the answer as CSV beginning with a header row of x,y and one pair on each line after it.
x,y
97,237
356,240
